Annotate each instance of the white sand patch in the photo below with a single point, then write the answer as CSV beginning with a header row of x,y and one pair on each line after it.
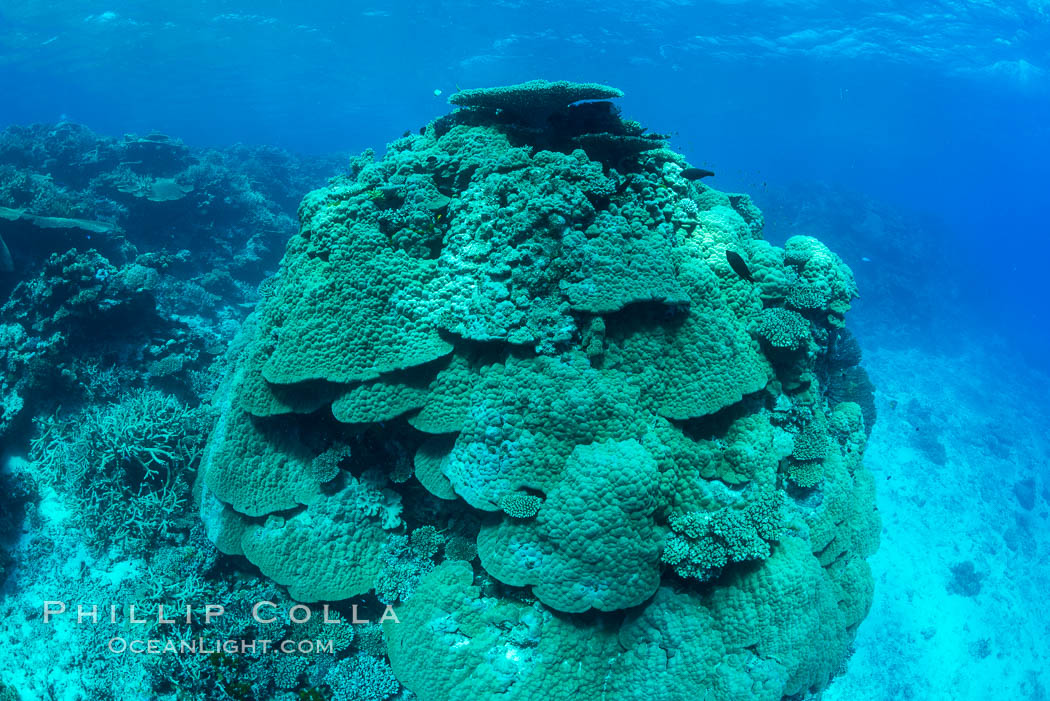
x,y
955,437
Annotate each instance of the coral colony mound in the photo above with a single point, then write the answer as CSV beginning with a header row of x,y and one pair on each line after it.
x,y
612,436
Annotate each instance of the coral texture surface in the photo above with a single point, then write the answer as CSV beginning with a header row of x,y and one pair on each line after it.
x,y
520,329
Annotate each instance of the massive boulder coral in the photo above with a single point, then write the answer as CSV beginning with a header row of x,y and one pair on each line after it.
x,y
532,300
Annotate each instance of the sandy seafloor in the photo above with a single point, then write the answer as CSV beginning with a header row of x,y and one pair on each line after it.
x,y
938,630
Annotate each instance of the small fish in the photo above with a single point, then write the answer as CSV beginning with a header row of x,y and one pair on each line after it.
x,y
866,259
738,265
696,173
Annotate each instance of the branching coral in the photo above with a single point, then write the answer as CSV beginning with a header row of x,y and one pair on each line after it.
x,y
702,544
405,561
784,329
126,467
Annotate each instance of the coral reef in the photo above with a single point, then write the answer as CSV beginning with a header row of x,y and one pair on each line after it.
x,y
702,544
130,265
18,497
107,284
124,468
531,298
896,252
846,380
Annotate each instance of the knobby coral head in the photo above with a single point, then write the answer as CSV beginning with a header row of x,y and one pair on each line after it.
x,y
508,378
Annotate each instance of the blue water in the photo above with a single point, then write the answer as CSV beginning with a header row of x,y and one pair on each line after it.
x,y
912,137
935,107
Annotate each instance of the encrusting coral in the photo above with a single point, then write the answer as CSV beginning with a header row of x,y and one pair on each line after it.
x,y
532,298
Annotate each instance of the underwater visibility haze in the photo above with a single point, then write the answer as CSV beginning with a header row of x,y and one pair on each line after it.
x,y
524,350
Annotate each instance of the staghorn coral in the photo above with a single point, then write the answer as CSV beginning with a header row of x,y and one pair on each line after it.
x,y
124,468
568,355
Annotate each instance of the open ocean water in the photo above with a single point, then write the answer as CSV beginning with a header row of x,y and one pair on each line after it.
x,y
564,390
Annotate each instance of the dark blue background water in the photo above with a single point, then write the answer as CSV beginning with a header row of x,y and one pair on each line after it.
x,y
935,107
